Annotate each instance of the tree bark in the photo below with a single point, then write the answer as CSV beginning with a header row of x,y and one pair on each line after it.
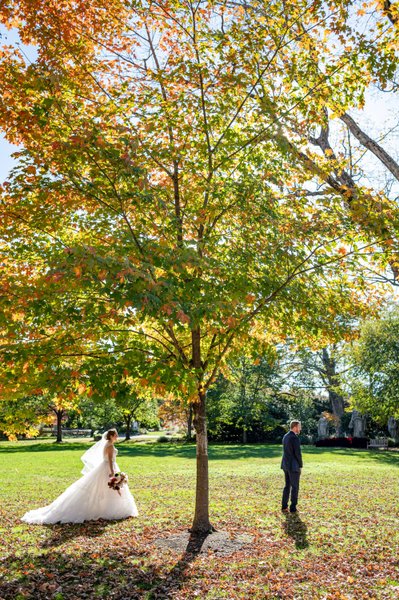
x,y
59,414
190,423
243,397
337,401
337,405
244,436
128,420
371,145
201,523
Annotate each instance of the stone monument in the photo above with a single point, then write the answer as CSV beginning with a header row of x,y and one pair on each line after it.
x,y
358,424
322,428
393,428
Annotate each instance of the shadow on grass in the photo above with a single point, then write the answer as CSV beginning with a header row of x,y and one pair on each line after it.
x,y
296,529
75,576
127,573
61,533
175,578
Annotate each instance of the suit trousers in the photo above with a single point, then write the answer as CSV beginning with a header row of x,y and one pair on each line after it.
x,y
291,488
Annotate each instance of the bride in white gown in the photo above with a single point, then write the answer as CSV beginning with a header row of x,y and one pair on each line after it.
x,y
90,498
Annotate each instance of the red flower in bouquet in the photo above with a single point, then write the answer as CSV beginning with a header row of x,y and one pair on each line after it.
x,y
117,481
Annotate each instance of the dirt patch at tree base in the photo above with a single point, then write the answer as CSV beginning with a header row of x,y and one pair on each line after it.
x,y
221,543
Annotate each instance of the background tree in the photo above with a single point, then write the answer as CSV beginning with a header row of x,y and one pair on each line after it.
x,y
177,411
22,415
108,378
59,406
376,358
158,213
322,370
142,409
96,415
244,396
53,391
27,414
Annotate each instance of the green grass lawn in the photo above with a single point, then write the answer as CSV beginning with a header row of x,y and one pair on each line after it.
x,y
343,545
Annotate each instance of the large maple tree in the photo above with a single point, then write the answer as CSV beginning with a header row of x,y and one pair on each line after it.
x,y
157,213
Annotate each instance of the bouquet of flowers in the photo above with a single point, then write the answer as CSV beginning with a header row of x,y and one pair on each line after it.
x,y
117,481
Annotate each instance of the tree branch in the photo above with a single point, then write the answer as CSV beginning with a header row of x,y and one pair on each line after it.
x,y
371,145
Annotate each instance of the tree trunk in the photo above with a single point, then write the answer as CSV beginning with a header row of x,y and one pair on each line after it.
x,y
244,436
59,414
243,398
128,420
190,423
201,523
337,405
337,401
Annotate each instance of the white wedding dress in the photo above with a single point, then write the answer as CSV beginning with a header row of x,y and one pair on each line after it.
x,y
89,498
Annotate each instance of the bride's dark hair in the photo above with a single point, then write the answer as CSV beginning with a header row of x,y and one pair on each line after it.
x,y
110,433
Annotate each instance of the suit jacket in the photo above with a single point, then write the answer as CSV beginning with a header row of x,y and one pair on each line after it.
x,y
292,455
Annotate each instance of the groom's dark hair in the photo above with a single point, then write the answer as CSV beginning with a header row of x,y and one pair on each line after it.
x,y
294,424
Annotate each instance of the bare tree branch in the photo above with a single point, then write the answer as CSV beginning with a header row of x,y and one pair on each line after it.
x,y
371,145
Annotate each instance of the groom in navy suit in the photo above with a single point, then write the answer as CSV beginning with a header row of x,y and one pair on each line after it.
x,y
292,466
